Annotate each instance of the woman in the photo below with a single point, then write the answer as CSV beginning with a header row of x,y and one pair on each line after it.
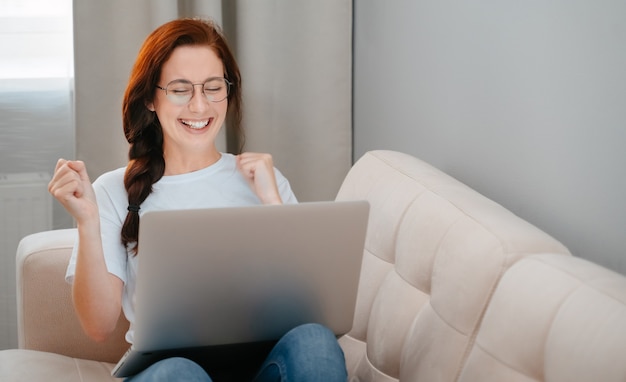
x,y
184,84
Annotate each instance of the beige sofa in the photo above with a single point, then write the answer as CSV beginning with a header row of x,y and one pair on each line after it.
x,y
454,288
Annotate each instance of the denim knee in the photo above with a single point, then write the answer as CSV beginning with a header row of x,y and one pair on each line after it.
x,y
172,369
309,352
311,336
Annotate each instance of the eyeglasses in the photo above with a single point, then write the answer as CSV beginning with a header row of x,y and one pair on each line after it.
x,y
180,92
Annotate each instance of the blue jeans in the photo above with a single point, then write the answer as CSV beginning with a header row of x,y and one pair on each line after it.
x,y
308,352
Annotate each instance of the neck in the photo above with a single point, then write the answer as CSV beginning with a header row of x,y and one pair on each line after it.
x,y
190,163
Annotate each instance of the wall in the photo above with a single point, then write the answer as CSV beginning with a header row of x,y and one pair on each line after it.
x,y
522,100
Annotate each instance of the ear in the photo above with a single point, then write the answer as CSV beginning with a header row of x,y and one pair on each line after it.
x,y
150,106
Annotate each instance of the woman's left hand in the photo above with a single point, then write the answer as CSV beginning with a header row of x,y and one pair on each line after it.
x,y
258,169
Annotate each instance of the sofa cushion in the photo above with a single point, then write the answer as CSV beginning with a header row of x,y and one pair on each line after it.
x,y
434,252
18,365
553,319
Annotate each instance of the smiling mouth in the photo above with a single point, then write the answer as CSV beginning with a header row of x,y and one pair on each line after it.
x,y
195,124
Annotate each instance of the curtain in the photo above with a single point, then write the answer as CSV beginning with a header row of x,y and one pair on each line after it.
x,y
296,62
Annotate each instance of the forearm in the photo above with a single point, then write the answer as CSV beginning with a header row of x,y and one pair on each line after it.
x,y
96,293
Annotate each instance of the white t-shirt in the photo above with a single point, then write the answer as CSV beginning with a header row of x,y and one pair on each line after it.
x,y
219,185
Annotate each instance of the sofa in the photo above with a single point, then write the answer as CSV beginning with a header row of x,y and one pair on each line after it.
x,y
453,287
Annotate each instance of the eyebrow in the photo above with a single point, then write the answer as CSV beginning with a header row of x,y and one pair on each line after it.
x,y
191,82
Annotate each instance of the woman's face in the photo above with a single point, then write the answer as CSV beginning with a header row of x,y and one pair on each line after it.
x,y
191,128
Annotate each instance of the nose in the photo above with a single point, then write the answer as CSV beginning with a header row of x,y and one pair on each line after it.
x,y
198,103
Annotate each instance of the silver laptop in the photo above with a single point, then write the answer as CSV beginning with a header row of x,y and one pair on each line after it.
x,y
210,278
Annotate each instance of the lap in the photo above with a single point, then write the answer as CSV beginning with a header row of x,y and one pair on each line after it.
x,y
308,352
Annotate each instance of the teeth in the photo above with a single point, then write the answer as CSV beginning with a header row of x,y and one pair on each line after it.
x,y
196,124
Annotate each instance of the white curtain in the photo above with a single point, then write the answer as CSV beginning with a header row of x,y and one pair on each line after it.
x,y
296,63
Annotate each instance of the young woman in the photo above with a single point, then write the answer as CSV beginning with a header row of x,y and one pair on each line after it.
x,y
184,84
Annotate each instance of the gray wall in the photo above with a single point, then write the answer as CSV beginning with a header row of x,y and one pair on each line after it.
x,y
525,101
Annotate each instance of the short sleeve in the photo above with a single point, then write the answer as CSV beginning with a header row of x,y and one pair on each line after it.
x,y
284,189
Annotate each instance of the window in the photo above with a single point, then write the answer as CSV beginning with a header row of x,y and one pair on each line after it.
x,y
36,39
36,87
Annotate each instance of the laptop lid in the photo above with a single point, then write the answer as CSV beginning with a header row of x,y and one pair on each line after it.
x,y
221,276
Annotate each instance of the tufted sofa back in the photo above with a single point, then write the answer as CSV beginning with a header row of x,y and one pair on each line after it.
x,y
552,318
434,253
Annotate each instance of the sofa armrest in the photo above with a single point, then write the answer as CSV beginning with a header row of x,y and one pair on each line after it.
x,y
46,317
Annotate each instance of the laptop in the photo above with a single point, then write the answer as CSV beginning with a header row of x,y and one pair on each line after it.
x,y
211,279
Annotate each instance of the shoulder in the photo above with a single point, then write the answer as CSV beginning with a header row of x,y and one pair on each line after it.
x,y
111,184
228,160
112,177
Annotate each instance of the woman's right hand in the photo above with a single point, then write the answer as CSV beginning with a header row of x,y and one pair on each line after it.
x,y
70,185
